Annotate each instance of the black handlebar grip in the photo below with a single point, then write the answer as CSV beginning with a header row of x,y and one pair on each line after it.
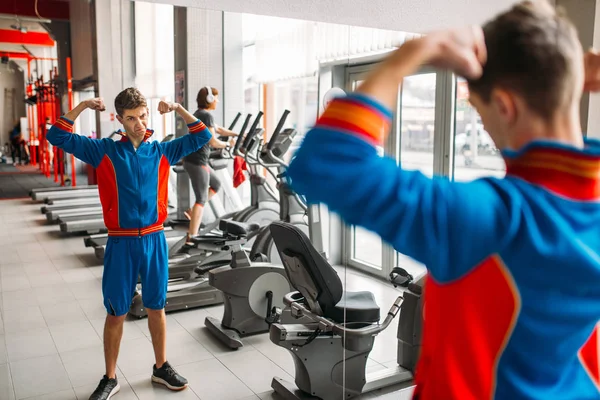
x,y
239,140
252,131
278,129
235,121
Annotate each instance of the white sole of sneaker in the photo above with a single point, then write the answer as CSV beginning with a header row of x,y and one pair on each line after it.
x,y
163,382
114,391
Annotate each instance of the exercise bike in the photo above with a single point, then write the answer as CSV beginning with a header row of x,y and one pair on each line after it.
x,y
330,353
252,294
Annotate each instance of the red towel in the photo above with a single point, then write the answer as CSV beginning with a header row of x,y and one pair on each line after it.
x,y
239,165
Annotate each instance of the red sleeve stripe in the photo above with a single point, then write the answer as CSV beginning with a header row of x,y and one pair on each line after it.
x,y
196,127
63,124
355,118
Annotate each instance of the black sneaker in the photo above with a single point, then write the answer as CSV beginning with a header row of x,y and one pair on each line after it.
x,y
167,376
106,389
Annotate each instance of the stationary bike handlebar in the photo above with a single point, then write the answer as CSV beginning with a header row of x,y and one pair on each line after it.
x,y
278,129
299,310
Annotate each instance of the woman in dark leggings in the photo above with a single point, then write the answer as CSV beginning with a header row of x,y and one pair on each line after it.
x,y
204,181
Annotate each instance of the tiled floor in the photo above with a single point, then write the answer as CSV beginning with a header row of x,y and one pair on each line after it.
x,y
52,319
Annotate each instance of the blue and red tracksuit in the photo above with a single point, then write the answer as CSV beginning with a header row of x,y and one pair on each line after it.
x,y
513,290
133,188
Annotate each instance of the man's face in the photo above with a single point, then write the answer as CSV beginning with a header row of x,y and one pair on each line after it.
x,y
135,121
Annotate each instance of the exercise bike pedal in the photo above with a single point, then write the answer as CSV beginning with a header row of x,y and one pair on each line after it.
x,y
274,316
228,337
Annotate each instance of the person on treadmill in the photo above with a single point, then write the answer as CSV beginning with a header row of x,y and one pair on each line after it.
x,y
133,175
512,295
205,182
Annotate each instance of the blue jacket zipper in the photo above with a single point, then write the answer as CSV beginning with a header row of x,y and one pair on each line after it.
x,y
139,178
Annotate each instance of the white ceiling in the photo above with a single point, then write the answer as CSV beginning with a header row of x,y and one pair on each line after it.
x,y
7,20
5,23
417,16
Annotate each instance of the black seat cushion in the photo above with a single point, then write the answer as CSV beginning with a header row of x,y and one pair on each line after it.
x,y
237,228
360,307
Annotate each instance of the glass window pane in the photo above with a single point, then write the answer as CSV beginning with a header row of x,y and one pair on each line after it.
x,y
475,154
367,247
417,123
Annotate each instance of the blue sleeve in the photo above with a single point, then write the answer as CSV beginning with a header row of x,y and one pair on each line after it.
x,y
448,226
90,151
181,147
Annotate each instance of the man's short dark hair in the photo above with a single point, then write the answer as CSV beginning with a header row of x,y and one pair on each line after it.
x,y
532,50
129,99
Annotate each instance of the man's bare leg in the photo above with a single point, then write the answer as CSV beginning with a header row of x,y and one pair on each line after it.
x,y
163,372
113,331
157,323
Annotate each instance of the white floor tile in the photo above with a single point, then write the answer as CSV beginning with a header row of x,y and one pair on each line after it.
x,y
211,380
182,348
46,279
136,357
93,308
50,376
85,366
6,383
62,395
30,344
63,313
244,366
74,335
23,319
15,282
66,263
18,299
55,294
87,289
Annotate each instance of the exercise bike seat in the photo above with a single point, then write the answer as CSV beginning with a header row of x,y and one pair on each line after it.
x,y
360,307
316,280
236,228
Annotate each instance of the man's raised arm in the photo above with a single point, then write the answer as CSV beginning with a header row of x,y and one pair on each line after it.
x,y
61,134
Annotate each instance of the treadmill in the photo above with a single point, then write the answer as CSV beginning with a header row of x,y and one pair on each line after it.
x,y
70,204
193,289
83,224
69,194
34,193
55,215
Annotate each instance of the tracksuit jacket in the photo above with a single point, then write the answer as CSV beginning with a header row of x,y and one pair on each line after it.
x,y
133,185
512,296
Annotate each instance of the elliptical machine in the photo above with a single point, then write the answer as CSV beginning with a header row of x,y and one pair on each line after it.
x,y
208,244
293,209
330,353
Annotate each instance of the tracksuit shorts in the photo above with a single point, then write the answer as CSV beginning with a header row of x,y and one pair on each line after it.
x,y
126,258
